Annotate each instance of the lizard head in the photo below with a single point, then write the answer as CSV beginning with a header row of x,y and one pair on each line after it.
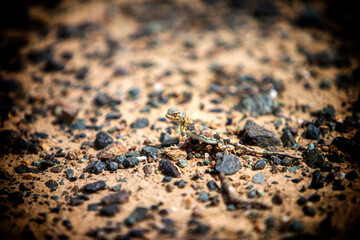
x,y
175,115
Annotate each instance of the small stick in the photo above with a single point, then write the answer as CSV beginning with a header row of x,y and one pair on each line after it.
x,y
240,203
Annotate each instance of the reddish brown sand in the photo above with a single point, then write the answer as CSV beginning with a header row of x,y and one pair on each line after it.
x,y
249,43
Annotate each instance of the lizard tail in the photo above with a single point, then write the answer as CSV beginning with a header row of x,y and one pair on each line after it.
x,y
247,150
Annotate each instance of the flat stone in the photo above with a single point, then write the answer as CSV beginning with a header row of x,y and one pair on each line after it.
x,y
109,211
168,169
76,201
227,163
116,198
111,151
259,178
94,187
140,123
113,116
169,141
254,134
150,151
102,140
275,160
137,215
95,167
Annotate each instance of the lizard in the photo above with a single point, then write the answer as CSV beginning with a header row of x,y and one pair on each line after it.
x,y
190,128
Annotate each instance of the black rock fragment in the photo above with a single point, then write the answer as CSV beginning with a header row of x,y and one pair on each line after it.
x,y
287,138
51,65
277,199
315,197
351,176
12,141
168,169
330,177
22,168
109,210
130,162
102,99
16,198
197,228
227,163
316,181
94,187
313,158
312,132
102,140
81,73
95,167
337,185
52,184
309,211
254,134
212,186
76,201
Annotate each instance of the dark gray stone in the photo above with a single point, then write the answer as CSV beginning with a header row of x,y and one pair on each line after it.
x,y
260,164
212,185
95,167
130,162
94,187
287,138
312,132
140,123
52,184
69,173
168,169
112,166
137,215
254,134
259,178
109,211
276,160
259,104
316,181
313,158
102,140
227,163
150,151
